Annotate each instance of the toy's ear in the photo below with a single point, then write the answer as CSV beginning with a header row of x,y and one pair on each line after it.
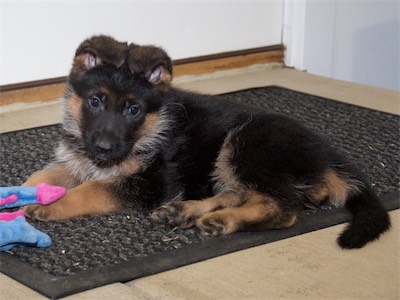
x,y
150,62
99,50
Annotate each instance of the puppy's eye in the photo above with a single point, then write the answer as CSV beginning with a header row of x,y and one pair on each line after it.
x,y
134,110
95,102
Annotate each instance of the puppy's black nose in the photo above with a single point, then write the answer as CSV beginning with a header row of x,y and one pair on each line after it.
x,y
104,145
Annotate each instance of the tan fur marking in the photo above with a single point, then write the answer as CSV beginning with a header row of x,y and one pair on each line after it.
x,y
224,173
259,211
55,175
148,125
105,91
334,188
75,106
197,208
320,194
290,220
131,167
338,188
257,208
90,198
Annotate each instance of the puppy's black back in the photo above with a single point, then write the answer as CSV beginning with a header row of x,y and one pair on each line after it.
x,y
268,153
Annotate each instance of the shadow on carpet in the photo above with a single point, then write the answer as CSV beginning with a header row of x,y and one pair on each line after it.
x,y
94,251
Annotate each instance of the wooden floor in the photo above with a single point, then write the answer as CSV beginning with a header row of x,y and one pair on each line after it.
x,y
310,266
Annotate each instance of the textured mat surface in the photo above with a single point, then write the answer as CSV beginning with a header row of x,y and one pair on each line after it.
x,y
92,251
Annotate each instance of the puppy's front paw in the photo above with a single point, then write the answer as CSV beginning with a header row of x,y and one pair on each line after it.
x,y
52,212
38,212
174,214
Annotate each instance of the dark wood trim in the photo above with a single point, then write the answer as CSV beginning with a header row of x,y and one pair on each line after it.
x,y
227,54
31,84
177,62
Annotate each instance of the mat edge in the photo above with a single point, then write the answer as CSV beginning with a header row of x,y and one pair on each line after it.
x,y
53,287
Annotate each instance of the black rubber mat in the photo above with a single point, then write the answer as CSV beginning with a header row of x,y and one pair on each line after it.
x,y
94,251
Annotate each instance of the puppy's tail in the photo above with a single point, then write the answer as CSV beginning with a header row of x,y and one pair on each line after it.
x,y
370,219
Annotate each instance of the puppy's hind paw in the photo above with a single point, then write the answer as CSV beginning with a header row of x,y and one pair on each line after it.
x,y
211,227
172,213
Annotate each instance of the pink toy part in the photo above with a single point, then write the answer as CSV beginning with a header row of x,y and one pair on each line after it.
x,y
12,215
47,193
10,199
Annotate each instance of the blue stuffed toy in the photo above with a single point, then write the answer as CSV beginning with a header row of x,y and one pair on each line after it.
x,y
14,229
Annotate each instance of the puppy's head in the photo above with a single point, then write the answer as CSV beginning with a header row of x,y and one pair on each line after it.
x,y
114,97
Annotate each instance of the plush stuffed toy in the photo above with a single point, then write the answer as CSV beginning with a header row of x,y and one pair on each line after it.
x,y
14,230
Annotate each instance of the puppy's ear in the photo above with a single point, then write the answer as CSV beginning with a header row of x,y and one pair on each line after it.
x,y
150,62
99,50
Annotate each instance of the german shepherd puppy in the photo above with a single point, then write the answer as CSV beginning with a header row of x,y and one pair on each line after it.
x,y
130,141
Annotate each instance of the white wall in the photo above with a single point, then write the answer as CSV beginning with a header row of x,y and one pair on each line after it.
x,y
38,38
351,40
